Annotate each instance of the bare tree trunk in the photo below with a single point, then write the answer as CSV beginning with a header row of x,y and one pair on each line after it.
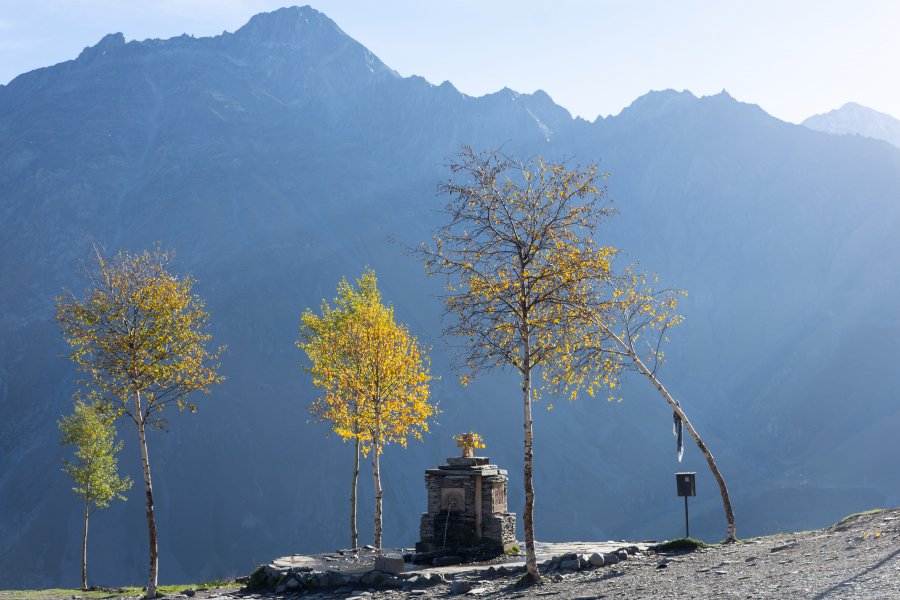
x,y
723,490
377,473
148,488
354,534
84,585
528,516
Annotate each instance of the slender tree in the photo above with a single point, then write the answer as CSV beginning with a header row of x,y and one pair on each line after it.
x,y
518,254
623,329
140,337
95,466
373,372
327,340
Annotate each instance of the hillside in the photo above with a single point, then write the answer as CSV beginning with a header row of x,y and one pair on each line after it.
x,y
280,157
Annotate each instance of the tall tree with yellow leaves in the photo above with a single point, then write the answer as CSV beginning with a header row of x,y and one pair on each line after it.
x,y
140,337
373,374
327,340
520,260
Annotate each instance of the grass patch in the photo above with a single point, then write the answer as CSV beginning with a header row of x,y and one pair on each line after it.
x,y
513,551
844,521
679,545
107,593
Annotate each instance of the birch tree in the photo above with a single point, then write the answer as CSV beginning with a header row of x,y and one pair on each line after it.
x,y
95,466
327,340
140,337
374,376
623,329
519,257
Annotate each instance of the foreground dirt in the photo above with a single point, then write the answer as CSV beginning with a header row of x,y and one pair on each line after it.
x,y
858,558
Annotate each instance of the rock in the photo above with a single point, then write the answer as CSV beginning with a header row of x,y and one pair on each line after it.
x,y
443,561
389,564
280,589
258,579
437,578
570,565
393,581
610,558
583,561
633,550
373,579
568,556
368,547
663,564
622,554
460,587
503,571
596,560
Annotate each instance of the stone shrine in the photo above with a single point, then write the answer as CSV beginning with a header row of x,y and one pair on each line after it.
x,y
467,507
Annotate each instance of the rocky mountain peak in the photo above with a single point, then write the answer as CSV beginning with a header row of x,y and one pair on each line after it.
x,y
657,103
853,118
289,25
304,37
108,42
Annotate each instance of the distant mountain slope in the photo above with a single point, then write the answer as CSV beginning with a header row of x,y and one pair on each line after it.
x,y
853,118
280,157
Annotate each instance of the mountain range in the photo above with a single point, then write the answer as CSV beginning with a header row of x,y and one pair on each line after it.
x,y
276,159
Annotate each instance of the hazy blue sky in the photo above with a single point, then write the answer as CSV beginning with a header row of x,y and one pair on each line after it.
x,y
795,58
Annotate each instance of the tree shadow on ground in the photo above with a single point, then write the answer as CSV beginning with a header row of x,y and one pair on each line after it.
x,y
838,588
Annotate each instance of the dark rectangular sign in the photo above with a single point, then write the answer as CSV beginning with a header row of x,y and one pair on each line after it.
x,y
686,484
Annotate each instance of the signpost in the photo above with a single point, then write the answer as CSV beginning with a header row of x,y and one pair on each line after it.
x,y
686,486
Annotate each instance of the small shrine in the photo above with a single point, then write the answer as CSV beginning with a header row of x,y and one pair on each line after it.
x,y
467,504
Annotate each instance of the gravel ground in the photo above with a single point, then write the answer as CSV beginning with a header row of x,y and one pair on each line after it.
x,y
855,559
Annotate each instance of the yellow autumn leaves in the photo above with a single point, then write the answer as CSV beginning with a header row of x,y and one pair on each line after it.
x,y
372,373
373,376
139,329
